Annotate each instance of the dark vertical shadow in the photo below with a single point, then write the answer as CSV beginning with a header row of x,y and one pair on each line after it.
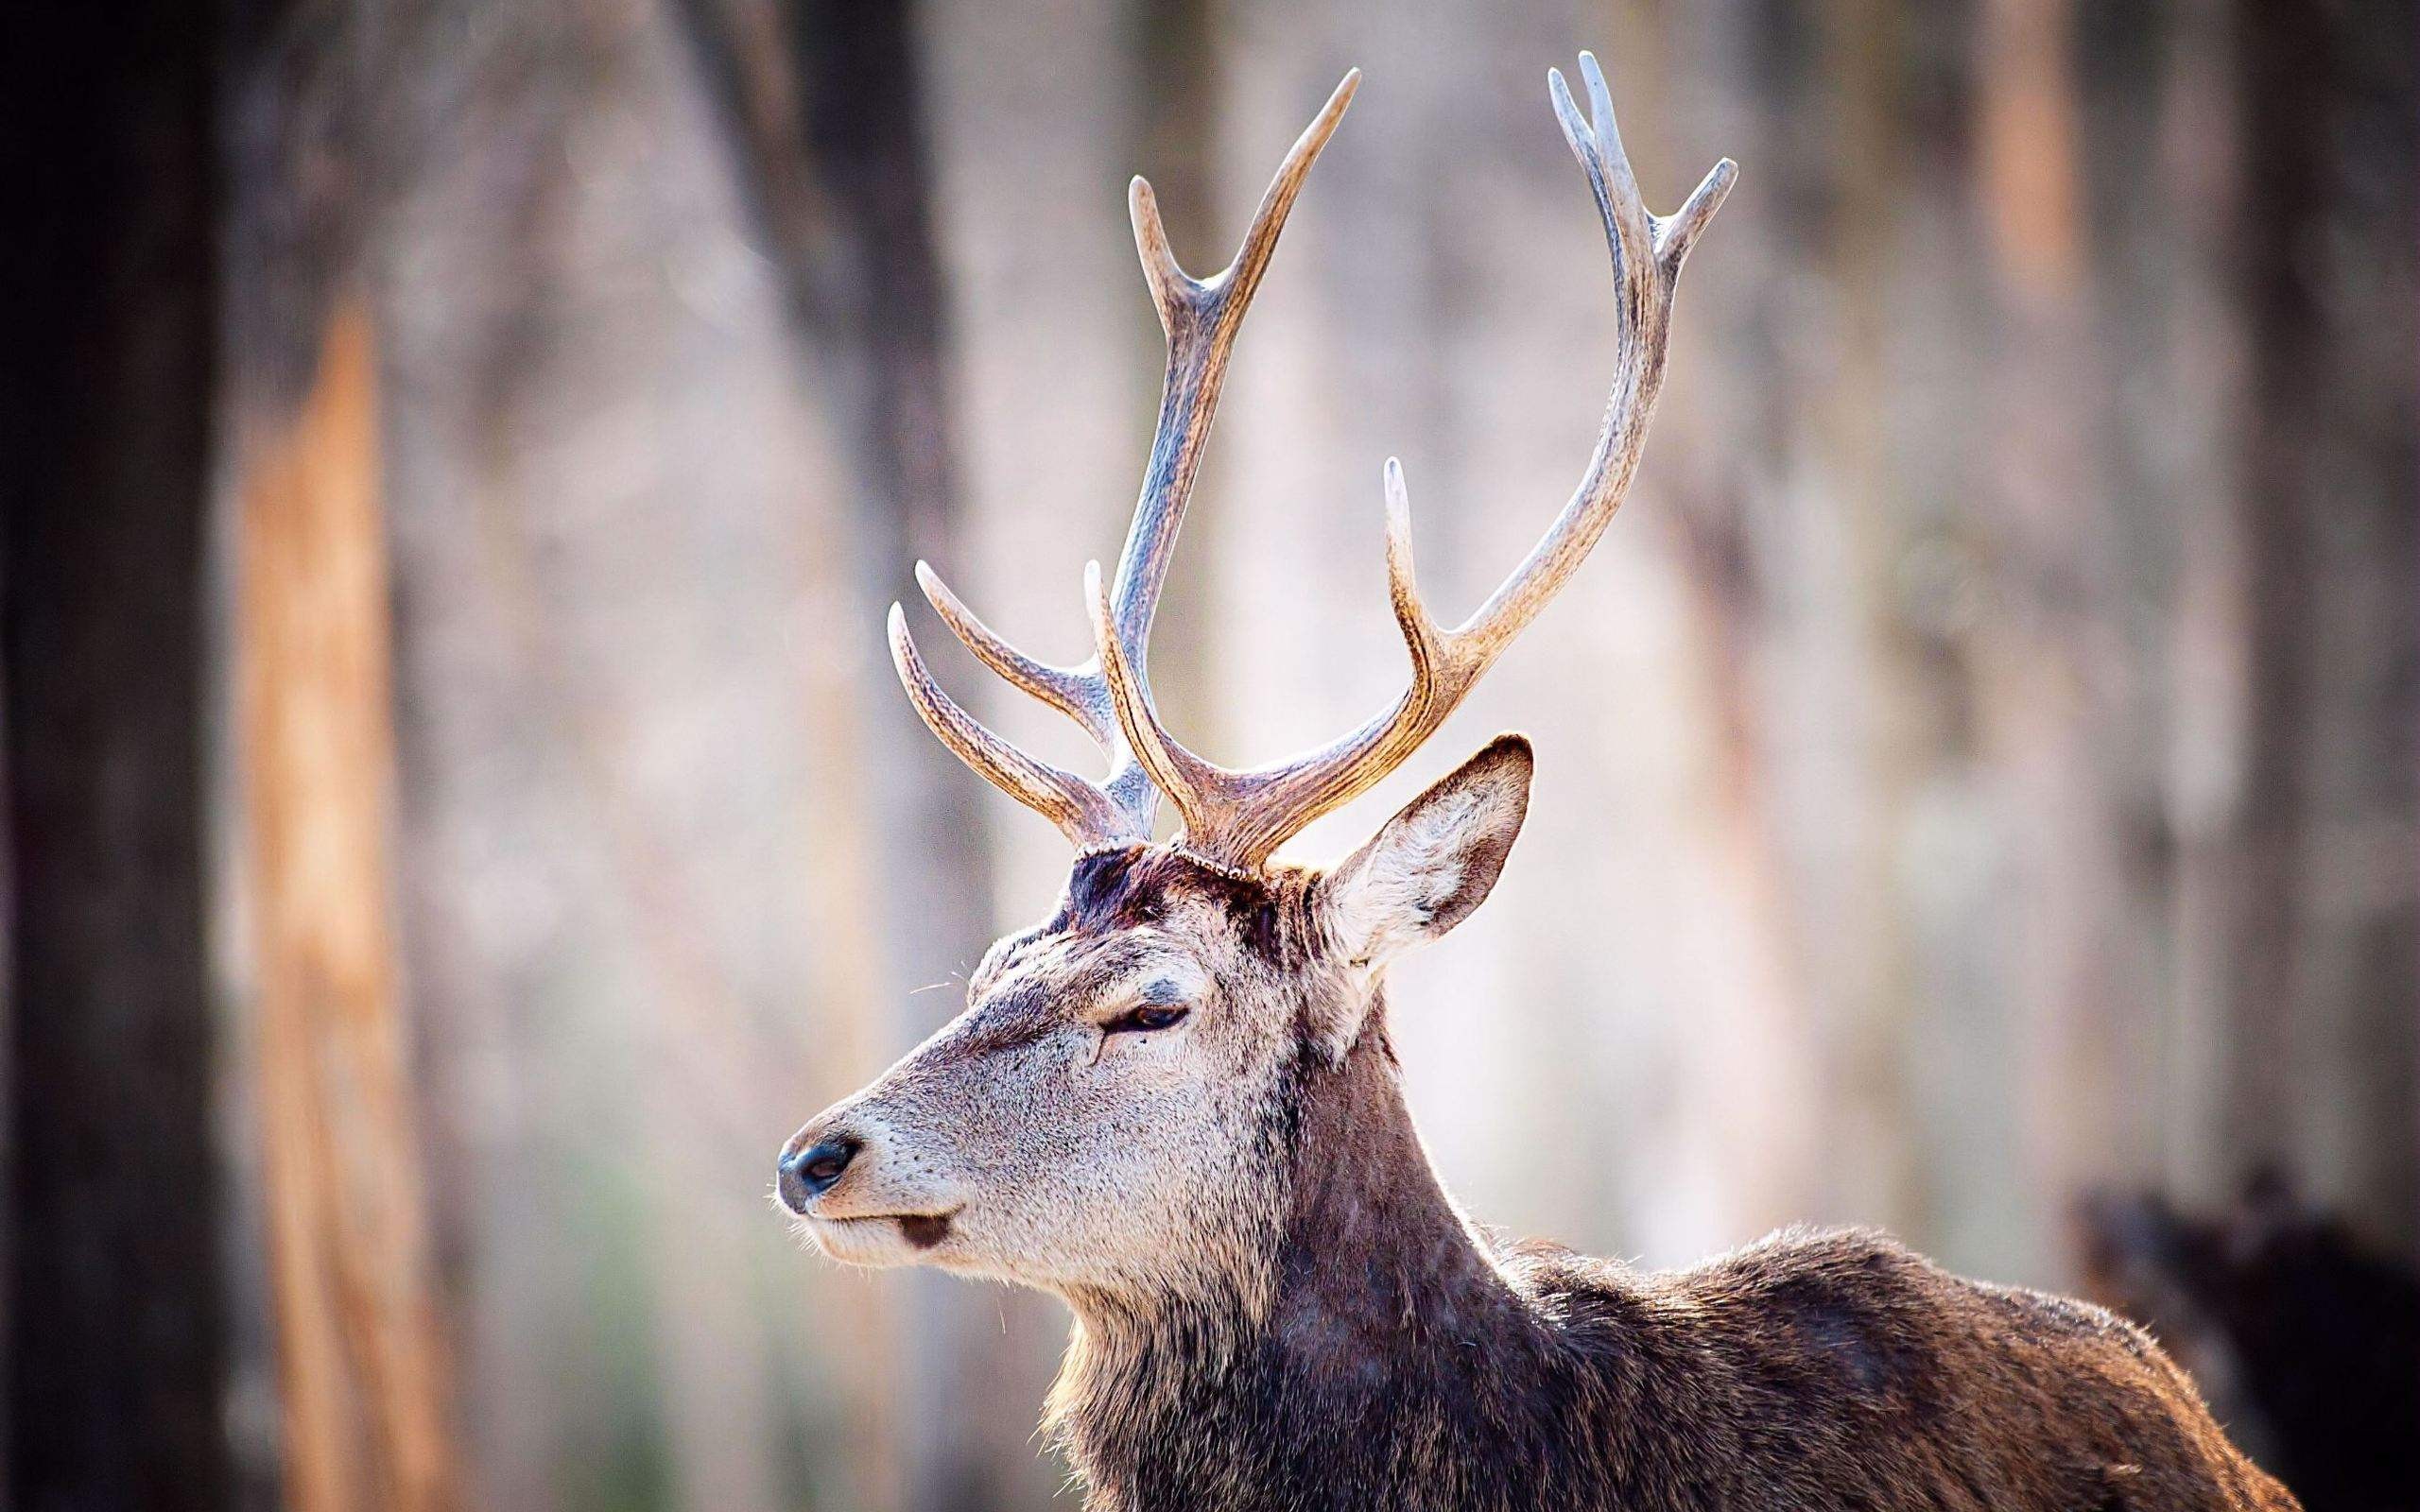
x,y
2330,467
116,1354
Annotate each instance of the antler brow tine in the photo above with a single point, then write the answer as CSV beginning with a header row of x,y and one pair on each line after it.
x,y
1083,812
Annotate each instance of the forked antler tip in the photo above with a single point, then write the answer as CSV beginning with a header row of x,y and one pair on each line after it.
x,y
1597,131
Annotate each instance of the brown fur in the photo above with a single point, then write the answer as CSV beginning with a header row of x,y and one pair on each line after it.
x,y
1407,1360
1278,1307
2306,1338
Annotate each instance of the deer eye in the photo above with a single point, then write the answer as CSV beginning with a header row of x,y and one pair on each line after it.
x,y
1148,1017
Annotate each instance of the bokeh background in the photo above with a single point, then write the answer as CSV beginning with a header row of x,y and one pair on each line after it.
x,y
463,818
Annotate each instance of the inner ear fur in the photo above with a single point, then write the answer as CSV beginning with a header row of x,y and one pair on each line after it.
x,y
1433,864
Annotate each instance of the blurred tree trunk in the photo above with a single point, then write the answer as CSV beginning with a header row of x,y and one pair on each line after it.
x,y
2320,916
2056,671
117,1336
1864,47
361,1371
823,102
361,1365
1730,439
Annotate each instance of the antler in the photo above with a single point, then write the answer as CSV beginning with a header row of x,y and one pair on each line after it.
x,y
1201,317
1236,818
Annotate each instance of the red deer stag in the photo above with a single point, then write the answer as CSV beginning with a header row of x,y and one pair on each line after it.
x,y
1174,1104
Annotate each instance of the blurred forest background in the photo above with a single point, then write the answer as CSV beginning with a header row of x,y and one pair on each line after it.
x,y
463,818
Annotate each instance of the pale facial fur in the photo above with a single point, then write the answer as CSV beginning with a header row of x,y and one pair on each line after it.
x,y
1105,1116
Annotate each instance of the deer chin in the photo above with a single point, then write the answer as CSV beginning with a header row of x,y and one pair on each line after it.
x,y
882,1240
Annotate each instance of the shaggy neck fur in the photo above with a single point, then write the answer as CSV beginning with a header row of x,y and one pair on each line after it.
x,y
1335,1370
1372,1350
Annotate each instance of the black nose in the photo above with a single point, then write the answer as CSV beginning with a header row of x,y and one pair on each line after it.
x,y
809,1172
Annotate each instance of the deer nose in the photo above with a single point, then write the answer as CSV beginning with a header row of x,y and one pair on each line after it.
x,y
807,1173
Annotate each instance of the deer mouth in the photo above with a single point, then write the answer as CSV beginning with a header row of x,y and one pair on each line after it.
x,y
880,1238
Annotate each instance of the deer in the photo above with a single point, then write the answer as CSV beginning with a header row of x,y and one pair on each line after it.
x,y
1175,1103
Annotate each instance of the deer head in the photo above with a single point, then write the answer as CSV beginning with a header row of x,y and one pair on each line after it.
x,y
1114,1115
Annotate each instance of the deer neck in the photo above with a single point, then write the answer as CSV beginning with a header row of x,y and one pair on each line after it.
x,y
1373,1292
1374,1252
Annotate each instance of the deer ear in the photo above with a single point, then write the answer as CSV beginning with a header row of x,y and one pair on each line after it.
x,y
1432,865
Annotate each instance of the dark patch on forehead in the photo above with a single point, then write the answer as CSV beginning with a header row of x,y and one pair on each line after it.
x,y
1098,884
1123,889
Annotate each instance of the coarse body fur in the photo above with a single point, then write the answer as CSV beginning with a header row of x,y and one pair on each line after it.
x,y
1390,1355
1278,1308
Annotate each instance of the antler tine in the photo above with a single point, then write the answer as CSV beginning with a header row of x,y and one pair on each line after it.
x,y
1238,817
1087,814
1201,317
1076,692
